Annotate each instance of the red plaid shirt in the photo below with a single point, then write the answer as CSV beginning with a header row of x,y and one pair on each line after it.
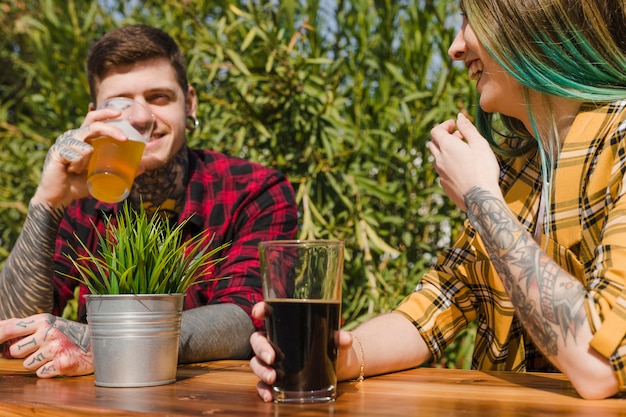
x,y
241,202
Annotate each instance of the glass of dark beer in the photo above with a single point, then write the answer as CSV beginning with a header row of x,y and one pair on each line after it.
x,y
302,289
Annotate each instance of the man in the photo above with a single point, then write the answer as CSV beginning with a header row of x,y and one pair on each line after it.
x,y
242,203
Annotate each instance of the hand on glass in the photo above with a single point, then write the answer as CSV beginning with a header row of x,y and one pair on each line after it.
x,y
265,356
463,160
64,174
115,164
50,345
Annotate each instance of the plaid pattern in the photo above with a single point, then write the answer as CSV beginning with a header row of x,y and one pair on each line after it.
x,y
240,202
587,237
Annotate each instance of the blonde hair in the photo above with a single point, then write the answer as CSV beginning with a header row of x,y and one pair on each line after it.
x,y
574,49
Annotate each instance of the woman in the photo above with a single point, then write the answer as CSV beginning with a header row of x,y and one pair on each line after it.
x,y
541,263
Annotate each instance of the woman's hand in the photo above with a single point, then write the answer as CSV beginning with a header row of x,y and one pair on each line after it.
x,y
463,160
50,345
265,356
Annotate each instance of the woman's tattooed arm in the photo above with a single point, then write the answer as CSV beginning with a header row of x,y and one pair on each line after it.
x,y
548,301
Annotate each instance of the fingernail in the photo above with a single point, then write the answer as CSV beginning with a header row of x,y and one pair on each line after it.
x,y
266,357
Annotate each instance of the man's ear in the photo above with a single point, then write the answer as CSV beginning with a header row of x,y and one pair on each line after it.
x,y
191,102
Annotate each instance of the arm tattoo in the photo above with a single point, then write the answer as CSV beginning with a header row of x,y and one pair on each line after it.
x,y
26,279
76,332
548,301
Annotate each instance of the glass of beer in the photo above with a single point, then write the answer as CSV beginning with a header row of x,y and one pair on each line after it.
x,y
113,165
302,290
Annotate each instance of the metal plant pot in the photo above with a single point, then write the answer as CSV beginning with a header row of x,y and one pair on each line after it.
x,y
134,338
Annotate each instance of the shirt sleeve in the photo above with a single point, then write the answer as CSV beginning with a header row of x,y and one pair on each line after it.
x,y
76,226
259,205
442,304
606,300
606,281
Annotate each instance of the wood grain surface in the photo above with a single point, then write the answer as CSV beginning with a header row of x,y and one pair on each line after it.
x,y
227,388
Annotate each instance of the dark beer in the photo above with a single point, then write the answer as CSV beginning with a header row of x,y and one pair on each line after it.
x,y
302,333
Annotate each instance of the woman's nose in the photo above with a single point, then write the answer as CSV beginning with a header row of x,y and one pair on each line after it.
x,y
457,48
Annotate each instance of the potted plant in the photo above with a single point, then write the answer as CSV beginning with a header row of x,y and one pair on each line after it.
x,y
137,282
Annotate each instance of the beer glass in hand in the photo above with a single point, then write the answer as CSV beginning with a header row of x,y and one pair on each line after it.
x,y
302,290
113,165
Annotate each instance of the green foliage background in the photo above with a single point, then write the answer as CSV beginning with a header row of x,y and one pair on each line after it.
x,y
338,95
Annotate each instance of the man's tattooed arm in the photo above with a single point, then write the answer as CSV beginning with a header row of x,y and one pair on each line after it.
x,y
548,301
26,279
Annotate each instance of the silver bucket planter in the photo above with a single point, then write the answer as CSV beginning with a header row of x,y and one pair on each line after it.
x,y
134,338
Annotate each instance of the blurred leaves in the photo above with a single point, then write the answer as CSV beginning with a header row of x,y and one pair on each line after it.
x,y
338,95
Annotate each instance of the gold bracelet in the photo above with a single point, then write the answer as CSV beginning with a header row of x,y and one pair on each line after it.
x,y
362,370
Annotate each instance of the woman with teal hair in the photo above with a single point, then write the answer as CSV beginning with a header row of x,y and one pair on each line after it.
x,y
541,263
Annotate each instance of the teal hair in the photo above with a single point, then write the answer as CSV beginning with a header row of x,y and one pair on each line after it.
x,y
575,49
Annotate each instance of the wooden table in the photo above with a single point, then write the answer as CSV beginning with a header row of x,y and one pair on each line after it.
x,y
227,388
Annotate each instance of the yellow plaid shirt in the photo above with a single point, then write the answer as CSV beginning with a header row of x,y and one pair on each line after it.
x,y
587,237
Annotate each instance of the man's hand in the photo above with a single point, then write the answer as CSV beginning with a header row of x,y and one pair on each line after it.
x,y
64,174
50,345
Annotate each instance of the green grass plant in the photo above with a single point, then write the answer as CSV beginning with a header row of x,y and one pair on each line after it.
x,y
142,254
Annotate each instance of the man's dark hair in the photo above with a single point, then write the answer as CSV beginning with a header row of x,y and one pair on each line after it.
x,y
128,45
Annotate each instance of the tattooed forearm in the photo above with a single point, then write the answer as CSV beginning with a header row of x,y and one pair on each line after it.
x,y
562,299
546,298
26,279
